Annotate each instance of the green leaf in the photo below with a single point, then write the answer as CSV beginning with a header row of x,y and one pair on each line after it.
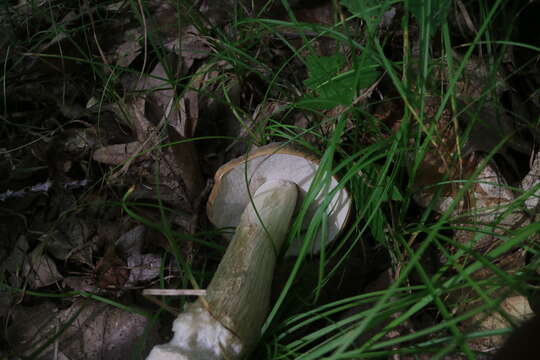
x,y
365,70
325,80
369,10
322,68
334,87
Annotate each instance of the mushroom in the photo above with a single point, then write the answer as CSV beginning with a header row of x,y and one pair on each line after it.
x,y
226,323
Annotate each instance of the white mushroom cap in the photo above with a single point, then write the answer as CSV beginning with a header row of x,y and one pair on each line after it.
x,y
230,194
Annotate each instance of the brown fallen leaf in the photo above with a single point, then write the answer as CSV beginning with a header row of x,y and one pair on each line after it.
x,y
30,326
193,46
117,154
40,270
146,135
111,271
158,118
87,330
516,307
142,267
71,240
129,49
531,182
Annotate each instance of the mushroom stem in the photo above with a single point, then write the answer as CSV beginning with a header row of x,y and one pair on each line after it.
x,y
226,323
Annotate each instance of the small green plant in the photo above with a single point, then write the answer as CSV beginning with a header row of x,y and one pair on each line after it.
x,y
335,86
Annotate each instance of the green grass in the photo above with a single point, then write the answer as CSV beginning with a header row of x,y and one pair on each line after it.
x,y
380,174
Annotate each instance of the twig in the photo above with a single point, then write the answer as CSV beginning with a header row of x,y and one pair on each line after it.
x,y
174,292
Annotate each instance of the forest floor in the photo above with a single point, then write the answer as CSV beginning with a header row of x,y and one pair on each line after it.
x,y
116,115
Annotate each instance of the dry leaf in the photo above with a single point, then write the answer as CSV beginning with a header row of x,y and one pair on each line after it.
x,y
515,306
70,240
131,242
14,263
111,271
103,332
128,50
483,206
146,134
120,153
193,46
532,182
143,267
30,326
81,283
179,160
40,270
95,331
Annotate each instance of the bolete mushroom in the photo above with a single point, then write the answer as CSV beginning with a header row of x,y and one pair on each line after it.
x,y
226,323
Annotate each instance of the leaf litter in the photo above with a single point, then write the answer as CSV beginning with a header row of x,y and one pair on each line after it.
x,y
126,126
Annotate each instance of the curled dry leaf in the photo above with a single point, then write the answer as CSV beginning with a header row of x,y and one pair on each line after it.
x,y
112,271
181,119
129,49
146,134
77,143
159,87
489,210
40,270
531,182
153,118
485,204
71,241
119,153
131,242
81,283
193,46
515,307
142,267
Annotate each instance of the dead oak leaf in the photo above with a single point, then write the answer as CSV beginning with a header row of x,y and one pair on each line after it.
x,y
112,271
117,154
124,154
